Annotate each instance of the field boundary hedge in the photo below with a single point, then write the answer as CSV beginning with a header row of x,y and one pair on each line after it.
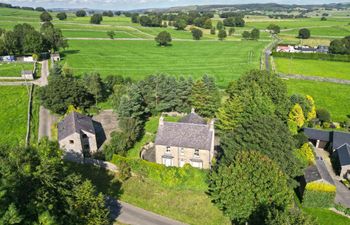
x,y
314,56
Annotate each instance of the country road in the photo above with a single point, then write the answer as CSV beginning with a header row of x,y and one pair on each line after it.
x,y
129,214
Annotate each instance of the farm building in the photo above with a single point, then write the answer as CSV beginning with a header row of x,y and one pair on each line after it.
x,y
285,48
318,173
8,58
191,140
77,136
27,74
55,57
343,156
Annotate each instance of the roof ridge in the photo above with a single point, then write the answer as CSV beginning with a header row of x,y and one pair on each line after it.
x,y
204,125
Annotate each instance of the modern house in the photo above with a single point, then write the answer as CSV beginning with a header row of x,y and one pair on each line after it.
x,y
338,143
191,140
76,135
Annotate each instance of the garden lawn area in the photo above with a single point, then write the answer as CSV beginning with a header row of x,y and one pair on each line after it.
x,y
13,114
327,217
179,203
225,61
14,69
331,96
308,67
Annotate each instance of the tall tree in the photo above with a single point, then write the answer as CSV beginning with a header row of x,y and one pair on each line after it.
x,y
163,38
222,35
45,17
94,85
249,187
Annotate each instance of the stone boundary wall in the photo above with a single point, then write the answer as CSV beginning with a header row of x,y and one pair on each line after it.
x,y
314,78
29,114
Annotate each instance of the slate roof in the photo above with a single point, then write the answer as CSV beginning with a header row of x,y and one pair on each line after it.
x,y
186,135
315,134
318,172
340,138
344,154
193,118
74,123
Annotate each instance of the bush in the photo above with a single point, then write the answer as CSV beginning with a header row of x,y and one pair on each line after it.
x,y
323,115
96,19
318,199
80,13
321,187
304,33
305,155
185,177
124,171
315,56
163,38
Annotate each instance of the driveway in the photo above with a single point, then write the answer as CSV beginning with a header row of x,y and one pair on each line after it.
x,y
343,193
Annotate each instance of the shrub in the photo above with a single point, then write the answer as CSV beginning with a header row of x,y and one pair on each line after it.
x,y
321,187
318,199
305,155
163,38
323,115
185,177
124,171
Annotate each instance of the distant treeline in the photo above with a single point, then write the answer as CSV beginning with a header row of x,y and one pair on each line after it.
x,y
315,56
6,5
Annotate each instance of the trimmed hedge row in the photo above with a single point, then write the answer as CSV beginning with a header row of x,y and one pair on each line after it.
x,y
186,177
315,56
322,187
318,199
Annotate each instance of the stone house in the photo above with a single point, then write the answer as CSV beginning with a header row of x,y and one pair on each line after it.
x,y
191,140
343,156
55,57
77,136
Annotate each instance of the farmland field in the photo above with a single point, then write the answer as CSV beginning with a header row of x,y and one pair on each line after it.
x,y
137,59
336,31
333,97
13,114
14,69
308,67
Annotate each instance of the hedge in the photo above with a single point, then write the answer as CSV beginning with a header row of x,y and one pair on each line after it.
x,y
186,177
315,56
322,187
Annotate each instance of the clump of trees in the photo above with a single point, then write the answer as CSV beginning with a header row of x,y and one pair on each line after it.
x,y
96,19
80,13
222,35
304,33
340,46
253,35
274,29
163,38
108,13
197,34
37,188
61,16
234,22
25,39
45,17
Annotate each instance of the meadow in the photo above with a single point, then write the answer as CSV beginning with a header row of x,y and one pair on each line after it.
x,y
14,69
331,32
326,217
308,67
331,96
13,114
226,60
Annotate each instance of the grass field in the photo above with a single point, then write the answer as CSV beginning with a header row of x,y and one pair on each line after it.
x,y
336,31
333,97
223,60
327,217
14,69
13,114
321,68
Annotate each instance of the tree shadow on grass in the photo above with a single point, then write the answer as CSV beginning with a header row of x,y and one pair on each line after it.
x,y
69,52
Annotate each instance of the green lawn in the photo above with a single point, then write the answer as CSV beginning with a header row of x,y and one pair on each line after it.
x,y
14,69
189,206
13,114
327,217
333,97
223,60
321,68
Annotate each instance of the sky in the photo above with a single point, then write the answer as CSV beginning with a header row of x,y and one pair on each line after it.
x,y
141,4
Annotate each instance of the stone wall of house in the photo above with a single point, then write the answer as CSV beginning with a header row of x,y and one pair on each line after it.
x,y
183,156
72,144
91,141
344,171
